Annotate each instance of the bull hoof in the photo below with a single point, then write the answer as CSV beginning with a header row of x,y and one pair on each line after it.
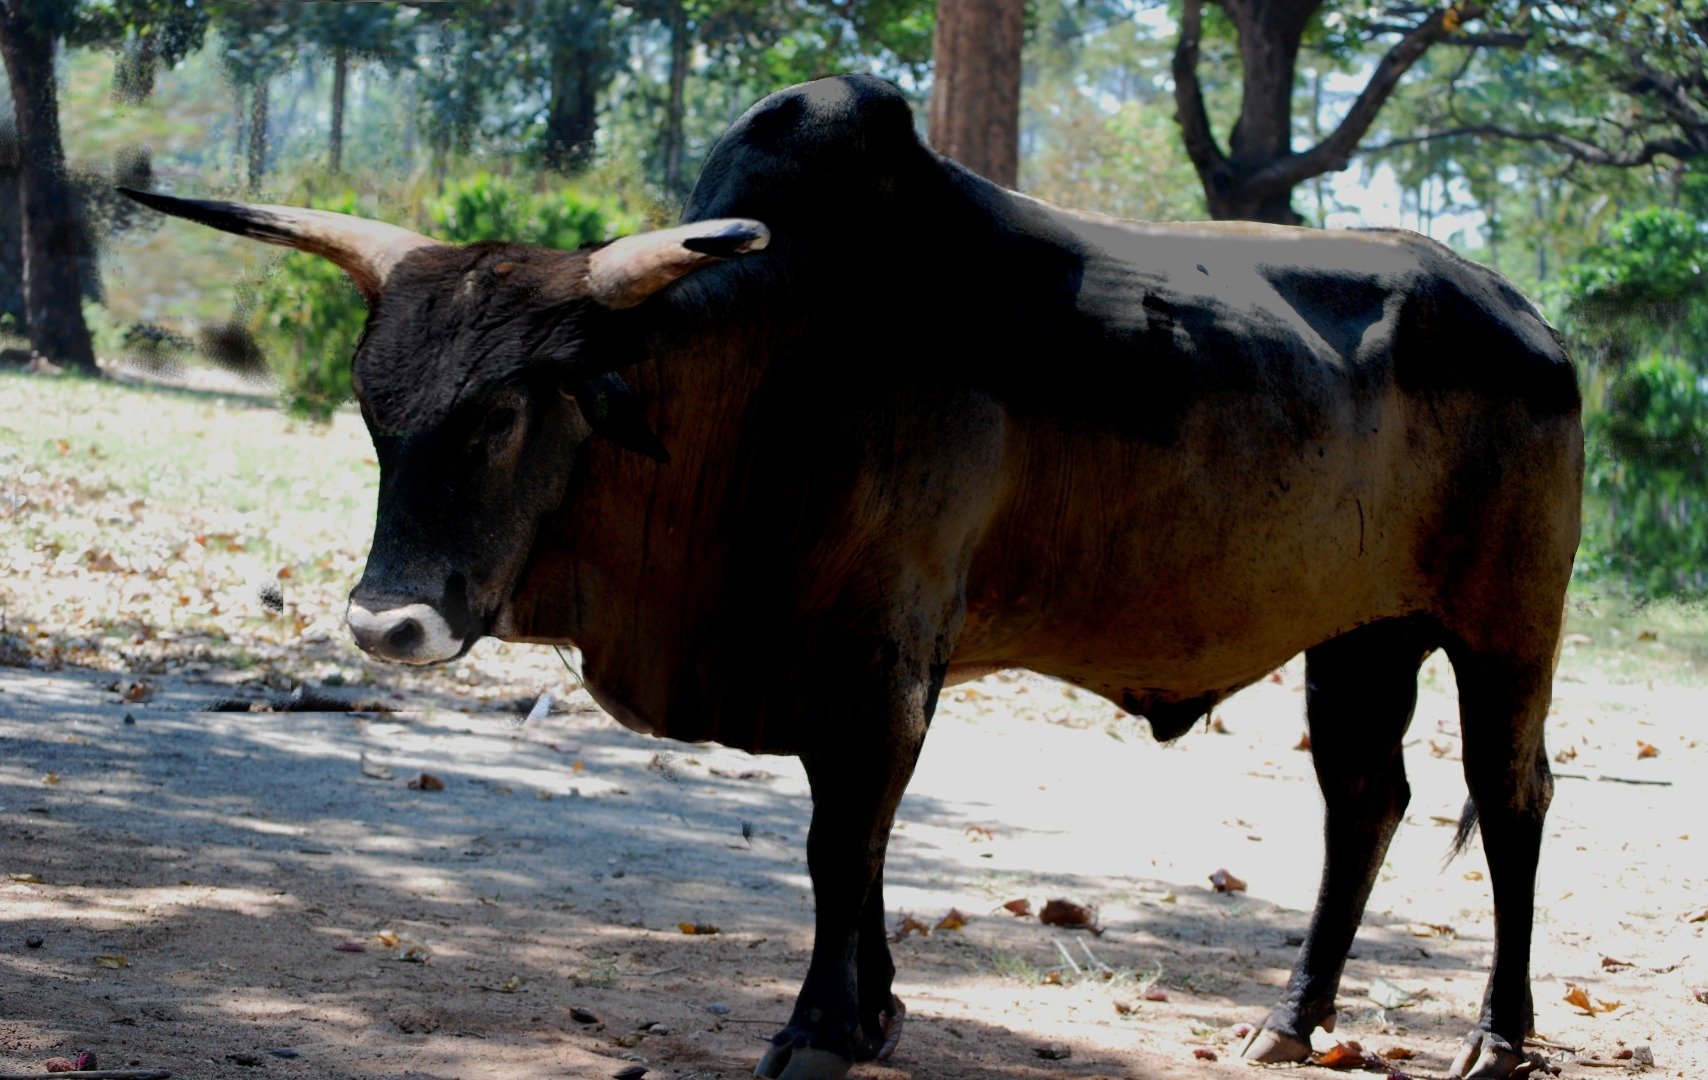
x,y
801,1063
1486,1056
1268,1047
890,1023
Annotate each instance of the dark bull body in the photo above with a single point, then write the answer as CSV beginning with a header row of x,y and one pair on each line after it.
x,y
923,428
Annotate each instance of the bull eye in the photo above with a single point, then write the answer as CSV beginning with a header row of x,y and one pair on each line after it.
x,y
497,423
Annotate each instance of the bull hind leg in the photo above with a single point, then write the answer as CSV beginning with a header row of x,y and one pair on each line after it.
x,y
1503,704
1361,690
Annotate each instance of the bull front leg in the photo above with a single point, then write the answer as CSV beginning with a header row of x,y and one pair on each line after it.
x,y
845,1011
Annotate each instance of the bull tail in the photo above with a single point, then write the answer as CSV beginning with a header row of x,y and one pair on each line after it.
x,y
1462,835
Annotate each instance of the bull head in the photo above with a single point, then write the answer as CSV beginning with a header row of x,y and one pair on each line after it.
x,y
481,370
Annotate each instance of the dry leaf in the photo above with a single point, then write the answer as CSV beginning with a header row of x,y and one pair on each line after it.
x,y
955,920
1437,749
27,879
114,961
696,928
1430,930
1204,1053
1275,676
378,772
910,925
1399,1053
1342,1055
1578,996
1020,907
1566,754
1700,994
1699,915
427,782
1610,964
1122,1008
1224,882
50,779
59,1064
1304,738
1071,915
1051,978
1645,750
976,833
139,692
1647,635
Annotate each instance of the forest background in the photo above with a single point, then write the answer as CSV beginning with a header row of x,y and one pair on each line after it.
x,y
1564,144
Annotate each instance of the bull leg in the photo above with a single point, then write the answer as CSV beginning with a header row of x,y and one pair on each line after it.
x,y
1361,689
1503,706
881,1012
855,792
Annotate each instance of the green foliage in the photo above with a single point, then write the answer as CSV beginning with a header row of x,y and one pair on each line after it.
x,y
1648,479
308,317
1637,306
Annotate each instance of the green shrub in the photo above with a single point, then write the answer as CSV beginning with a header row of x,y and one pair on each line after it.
x,y
307,316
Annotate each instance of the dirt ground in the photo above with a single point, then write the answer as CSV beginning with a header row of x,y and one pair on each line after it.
x,y
176,884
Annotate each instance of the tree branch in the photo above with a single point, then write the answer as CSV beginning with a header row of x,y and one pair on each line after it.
x,y
1577,149
1333,152
1201,146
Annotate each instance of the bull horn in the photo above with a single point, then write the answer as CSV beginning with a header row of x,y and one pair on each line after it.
x,y
624,272
366,250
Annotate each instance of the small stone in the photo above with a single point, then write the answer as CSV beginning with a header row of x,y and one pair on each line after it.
x,y
129,719
1053,1052
583,1016
718,1008
34,941
1642,1055
630,1072
247,1060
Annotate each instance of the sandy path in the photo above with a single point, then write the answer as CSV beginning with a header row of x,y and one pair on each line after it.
x,y
223,856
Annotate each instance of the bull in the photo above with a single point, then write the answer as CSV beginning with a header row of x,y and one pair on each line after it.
x,y
867,424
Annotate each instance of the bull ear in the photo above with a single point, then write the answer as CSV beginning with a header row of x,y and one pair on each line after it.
x,y
366,250
624,272
611,410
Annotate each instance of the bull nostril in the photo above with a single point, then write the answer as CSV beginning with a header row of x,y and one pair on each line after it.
x,y
404,637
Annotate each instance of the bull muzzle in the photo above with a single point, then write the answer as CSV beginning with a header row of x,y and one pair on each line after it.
x,y
402,631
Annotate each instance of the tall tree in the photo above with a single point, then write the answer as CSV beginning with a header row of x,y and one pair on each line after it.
x,y
29,30
580,61
975,92
258,40
1649,52
346,33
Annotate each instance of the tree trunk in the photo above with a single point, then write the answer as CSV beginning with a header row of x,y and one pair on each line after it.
x,y
257,133
975,92
51,241
674,108
340,81
580,68
1269,36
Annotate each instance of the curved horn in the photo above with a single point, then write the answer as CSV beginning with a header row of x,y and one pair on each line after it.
x,y
624,272
366,250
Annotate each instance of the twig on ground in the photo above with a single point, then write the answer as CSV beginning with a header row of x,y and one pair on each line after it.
x,y
1613,779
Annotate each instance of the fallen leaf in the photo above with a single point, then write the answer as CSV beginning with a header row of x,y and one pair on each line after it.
x,y
139,692
976,833
1622,1054
1217,726
1566,754
1427,930
1066,913
1645,750
629,1039
1123,1008
1578,996
1399,1053
27,879
404,946
1647,635
427,782
50,779
1387,995
955,920
1699,915
1342,1055
1304,738
1021,907
59,1064
1224,882
1700,994
1275,676
378,772
1051,978
1610,964
1472,875
696,928
910,925
1437,749
114,961
1204,1053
